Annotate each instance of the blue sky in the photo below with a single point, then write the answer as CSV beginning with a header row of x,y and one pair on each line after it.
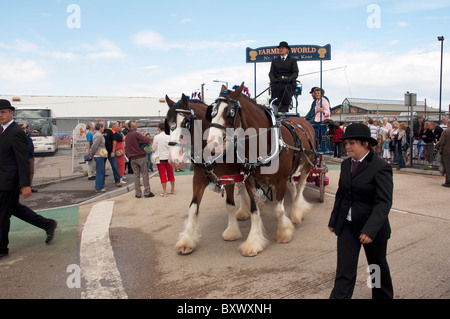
x,y
380,49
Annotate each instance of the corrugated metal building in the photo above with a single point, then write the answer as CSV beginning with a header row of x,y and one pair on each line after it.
x,y
358,109
72,110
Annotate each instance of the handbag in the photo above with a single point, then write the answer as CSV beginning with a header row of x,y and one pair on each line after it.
x,y
146,148
155,159
119,153
103,152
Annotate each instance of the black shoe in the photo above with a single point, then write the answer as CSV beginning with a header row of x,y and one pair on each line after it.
x,y
137,196
92,178
149,195
446,185
34,190
3,255
51,233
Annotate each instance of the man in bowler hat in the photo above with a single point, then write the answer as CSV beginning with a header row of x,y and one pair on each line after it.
x,y
360,215
15,179
283,75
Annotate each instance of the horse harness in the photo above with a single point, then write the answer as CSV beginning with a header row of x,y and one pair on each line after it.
x,y
250,168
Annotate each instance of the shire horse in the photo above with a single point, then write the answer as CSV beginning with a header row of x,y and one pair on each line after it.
x,y
182,119
292,153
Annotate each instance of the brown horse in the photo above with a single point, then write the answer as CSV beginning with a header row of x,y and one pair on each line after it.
x,y
288,152
184,121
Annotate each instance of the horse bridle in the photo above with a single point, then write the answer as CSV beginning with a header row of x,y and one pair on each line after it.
x,y
234,108
187,123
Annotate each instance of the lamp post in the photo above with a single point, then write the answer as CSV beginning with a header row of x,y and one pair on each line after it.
x,y
441,39
217,81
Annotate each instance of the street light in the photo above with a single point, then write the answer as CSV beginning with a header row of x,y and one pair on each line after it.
x,y
441,39
226,83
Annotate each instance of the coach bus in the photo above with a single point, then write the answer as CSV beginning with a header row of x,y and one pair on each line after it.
x,y
41,127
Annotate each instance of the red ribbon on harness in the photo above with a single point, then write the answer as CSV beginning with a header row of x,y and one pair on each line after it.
x,y
229,179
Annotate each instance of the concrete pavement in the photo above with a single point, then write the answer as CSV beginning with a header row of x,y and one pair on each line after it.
x,y
143,232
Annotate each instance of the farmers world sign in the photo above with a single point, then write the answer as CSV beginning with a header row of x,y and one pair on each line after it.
x,y
300,52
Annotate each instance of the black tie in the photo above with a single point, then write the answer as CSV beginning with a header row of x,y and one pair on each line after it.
x,y
1,129
354,166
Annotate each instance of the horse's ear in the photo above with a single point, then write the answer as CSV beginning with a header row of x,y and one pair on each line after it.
x,y
169,102
238,91
166,127
184,100
223,89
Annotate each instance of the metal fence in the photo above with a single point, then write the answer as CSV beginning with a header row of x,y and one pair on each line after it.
x,y
424,156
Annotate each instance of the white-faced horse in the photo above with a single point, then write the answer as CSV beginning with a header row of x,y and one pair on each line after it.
x,y
282,151
186,123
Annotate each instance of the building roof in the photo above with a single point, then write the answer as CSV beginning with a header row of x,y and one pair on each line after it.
x,y
94,106
357,109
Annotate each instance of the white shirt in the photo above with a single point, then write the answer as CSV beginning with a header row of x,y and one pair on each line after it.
x,y
349,215
7,125
161,145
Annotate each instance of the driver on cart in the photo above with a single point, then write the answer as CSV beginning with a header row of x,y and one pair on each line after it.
x,y
283,75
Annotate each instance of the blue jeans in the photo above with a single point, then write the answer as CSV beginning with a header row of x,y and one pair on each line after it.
x,y
100,176
115,168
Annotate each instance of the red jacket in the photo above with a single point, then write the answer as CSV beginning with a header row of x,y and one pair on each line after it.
x,y
337,136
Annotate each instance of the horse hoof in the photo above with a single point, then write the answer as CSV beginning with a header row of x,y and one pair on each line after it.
x,y
185,251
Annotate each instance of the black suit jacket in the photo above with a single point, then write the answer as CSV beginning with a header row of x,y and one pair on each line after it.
x,y
14,159
280,68
369,194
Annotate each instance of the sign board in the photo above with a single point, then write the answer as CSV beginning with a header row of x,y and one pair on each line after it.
x,y
79,148
300,52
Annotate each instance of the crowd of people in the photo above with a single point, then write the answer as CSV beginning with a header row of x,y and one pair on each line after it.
x,y
397,143
124,147
395,139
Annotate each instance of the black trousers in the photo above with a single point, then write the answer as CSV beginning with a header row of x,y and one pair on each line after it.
x,y
9,205
348,248
283,92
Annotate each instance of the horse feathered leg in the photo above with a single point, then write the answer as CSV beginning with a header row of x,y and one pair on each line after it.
x,y
286,229
256,241
190,237
232,232
244,210
300,206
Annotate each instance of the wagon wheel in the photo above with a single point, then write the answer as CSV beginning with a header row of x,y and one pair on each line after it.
x,y
321,180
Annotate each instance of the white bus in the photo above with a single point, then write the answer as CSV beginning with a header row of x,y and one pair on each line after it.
x,y
42,128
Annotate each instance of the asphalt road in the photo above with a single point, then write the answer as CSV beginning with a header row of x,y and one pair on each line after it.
x,y
117,246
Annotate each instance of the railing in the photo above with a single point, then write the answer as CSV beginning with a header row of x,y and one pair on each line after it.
x,y
423,155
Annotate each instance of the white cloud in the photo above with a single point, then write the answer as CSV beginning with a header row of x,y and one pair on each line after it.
x,y
402,24
106,49
20,71
155,41
186,20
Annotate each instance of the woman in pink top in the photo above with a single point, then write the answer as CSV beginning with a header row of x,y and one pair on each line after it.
x,y
323,110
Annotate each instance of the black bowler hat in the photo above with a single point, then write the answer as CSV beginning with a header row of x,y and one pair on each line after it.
x,y
284,44
358,131
5,104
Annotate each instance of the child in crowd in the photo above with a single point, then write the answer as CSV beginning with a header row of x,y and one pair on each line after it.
x,y
386,148
379,147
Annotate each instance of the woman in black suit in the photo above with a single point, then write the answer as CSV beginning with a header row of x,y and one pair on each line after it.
x,y
360,215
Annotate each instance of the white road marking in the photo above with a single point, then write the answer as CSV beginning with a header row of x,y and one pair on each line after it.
x,y
102,279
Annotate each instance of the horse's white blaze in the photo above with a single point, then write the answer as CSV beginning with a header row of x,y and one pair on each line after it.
x,y
256,241
177,158
215,140
190,236
285,230
232,232
216,135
